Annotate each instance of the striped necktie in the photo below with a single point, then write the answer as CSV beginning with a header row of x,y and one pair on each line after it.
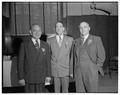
x,y
36,44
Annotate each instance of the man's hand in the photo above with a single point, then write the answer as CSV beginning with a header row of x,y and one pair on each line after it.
x,y
100,69
22,82
71,75
47,81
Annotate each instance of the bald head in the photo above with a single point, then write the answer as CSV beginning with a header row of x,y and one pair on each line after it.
x,y
84,28
84,24
36,27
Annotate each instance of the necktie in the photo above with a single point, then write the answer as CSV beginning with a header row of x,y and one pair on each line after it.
x,y
82,40
60,41
36,44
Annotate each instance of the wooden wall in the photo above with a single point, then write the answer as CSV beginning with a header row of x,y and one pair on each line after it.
x,y
24,14
104,26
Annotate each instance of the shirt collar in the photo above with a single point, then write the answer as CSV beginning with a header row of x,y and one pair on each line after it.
x,y
34,40
86,36
61,36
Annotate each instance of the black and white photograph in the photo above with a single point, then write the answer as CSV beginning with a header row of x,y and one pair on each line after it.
x,y
59,47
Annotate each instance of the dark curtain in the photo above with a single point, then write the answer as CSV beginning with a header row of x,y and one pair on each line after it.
x,y
104,26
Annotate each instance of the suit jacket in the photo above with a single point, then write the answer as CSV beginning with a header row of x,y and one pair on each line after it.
x,y
34,64
60,56
94,48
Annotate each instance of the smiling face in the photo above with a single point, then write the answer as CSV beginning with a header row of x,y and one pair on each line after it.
x,y
36,31
84,28
59,28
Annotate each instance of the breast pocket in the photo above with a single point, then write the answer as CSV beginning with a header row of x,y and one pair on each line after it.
x,y
92,48
66,45
43,50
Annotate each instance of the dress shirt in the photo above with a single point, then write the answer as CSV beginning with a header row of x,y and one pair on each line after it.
x,y
58,37
85,38
34,41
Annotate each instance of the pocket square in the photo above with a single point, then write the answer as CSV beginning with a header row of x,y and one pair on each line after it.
x,y
43,49
66,44
47,81
89,41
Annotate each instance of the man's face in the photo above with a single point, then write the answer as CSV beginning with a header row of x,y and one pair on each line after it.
x,y
59,28
84,28
36,31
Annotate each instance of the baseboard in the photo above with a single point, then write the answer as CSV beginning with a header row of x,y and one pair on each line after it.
x,y
19,89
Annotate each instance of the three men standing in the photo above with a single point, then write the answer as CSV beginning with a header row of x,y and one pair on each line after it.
x,y
37,60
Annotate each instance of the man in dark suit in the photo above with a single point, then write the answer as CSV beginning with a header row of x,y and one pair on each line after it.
x,y
88,56
34,62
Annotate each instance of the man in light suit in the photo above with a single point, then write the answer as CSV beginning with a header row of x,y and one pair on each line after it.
x,y
88,56
34,62
60,48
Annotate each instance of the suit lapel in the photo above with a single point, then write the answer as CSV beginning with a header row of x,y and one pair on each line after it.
x,y
56,43
86,42
61,49
62,45
40,52
64,39
37,51
31,48
32,44
84,46
79,46
56,47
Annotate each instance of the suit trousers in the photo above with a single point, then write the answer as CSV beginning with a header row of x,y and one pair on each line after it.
x,y
35,88
86,85
61,82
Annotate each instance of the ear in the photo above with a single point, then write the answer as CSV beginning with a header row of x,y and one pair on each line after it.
x,y
65,32
30,32
89,28
63,28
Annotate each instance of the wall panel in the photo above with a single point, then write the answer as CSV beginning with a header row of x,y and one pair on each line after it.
x,y
36,14
50,10
12,20
22,18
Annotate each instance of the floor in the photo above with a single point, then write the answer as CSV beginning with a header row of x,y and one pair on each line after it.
x,y
106,85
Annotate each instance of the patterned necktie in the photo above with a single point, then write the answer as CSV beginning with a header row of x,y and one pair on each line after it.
x,y
36,44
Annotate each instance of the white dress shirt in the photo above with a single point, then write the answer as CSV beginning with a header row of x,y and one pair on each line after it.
x,y
85,38
34,41
58,38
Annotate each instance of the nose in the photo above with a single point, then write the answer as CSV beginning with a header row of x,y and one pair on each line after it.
x,y
38,33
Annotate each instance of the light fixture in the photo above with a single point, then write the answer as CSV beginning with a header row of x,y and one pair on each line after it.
x,y
93,7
